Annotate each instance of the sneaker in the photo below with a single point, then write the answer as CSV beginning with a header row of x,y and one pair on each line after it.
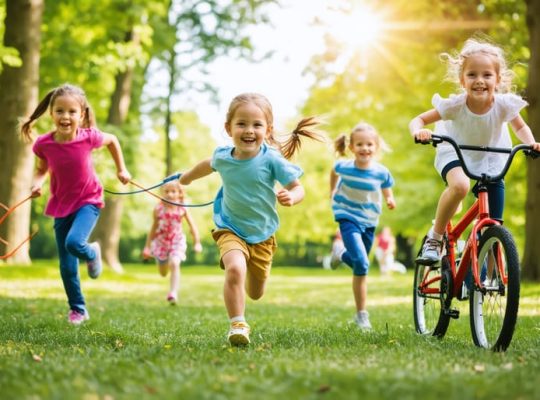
x,y
431,252
239,333
335,258
77,318
171,298
95,266
362,320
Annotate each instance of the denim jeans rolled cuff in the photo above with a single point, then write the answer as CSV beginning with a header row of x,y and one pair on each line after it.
x,y
72,233
358,241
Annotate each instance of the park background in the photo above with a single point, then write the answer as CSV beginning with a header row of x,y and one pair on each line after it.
x,y
159,75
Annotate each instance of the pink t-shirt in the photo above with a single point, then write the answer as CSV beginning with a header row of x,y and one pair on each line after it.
x,y
74,182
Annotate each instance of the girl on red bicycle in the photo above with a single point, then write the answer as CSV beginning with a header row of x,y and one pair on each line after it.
x,y
478,115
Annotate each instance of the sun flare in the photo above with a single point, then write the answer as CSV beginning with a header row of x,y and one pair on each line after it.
x,y
357,27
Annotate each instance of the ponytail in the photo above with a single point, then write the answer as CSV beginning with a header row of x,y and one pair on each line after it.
x,y
340,144
26,128
304,128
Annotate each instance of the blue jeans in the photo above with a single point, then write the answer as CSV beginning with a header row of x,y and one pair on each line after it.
x,y
358,241
72,233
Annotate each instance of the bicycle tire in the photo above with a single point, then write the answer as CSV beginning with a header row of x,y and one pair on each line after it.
x,y
428,308
494,308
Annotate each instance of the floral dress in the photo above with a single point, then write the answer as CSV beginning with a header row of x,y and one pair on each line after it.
x,y
170,241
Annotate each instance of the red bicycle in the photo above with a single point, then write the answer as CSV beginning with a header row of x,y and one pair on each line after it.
x,y
489,255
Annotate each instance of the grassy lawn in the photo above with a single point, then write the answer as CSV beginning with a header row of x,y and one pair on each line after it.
x,y
304,346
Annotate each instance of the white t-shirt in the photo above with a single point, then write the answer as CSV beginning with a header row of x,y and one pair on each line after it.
x,y
467,128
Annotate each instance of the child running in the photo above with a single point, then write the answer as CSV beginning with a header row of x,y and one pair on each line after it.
x,y
355,188
166,242
477,116
76,194
245,211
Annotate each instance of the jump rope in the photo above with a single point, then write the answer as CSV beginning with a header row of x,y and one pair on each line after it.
x,y
141,189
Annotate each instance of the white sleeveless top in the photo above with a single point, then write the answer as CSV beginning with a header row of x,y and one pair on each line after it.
x,y
467,128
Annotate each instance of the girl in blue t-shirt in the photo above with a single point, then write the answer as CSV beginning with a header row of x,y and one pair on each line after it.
x,y
356,188
245,207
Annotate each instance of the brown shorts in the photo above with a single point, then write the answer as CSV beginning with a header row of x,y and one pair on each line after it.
x,y
258,256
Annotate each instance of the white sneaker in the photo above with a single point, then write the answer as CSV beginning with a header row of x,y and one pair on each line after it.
x,y
95,266
335,258
239,333
431,251
362,320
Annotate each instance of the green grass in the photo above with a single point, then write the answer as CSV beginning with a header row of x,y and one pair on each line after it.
x,y
304,346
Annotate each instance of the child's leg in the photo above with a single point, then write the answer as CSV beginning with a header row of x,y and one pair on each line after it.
x,y
69,266
359,286
174,266
451,197
234,262
84,221
163,267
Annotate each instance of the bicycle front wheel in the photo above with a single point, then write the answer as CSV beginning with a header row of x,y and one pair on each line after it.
x,y
494,305
429,298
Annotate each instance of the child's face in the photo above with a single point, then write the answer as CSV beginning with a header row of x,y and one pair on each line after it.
x,y
479,77
173,192
248,129
67,115
364,147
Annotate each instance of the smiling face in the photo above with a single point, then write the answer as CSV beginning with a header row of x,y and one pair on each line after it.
x,y
248,129
173,191
67,114
480,77
364,146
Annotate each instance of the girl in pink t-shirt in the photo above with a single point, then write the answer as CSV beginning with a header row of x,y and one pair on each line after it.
x,y
76,195
166,241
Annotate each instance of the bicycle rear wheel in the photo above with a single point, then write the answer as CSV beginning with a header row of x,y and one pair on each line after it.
x,y
494,306
429,297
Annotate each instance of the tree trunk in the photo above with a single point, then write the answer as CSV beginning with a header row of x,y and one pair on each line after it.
x,y
531,259
18,98
108,230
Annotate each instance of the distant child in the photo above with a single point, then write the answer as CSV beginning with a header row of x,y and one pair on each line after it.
x,y
356,186
166,242
76,195
385,250
245,211
477,116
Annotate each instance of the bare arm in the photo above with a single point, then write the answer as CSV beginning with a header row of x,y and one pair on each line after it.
x,y
113,145
200,170
333,182
389,198
151,235
42,167
194,232
523,132
291,194
416,126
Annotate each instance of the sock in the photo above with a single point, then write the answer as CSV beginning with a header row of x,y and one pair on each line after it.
x,y
434,235
239,318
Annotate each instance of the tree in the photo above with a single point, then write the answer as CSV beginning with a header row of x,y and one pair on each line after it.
x,y
531,258
19,97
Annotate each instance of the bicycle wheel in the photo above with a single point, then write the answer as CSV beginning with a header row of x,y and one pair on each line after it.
x,y
430,296
494,306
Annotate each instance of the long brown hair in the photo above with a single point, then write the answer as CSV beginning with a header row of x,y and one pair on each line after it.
x,y
288,148
48,101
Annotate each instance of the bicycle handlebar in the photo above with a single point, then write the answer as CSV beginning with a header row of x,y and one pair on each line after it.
x,y
526,148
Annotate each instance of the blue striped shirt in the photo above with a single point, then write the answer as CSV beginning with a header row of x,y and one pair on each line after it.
x,y
358,195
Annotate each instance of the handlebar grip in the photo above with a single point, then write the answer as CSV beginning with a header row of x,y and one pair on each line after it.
x,y
532,153
172,177
417,141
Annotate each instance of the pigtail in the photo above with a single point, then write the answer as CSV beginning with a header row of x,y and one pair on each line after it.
x,y
89,120
340,144
26,128
304,128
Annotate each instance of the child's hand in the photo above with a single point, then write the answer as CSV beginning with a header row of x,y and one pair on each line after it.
x,y
146,254
197,247
285,198
423,135
391,203
35,191
124,176
536,146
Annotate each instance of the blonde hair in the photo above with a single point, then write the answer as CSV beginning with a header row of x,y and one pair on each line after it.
x,y
48,100
342,141
175,183
293,143
474,46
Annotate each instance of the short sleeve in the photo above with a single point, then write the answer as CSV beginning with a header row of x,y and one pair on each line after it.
x,y
388,181
512,105
96,137
448,108
285,172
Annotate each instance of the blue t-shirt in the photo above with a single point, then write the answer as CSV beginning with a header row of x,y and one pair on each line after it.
x,y
358,195
246,203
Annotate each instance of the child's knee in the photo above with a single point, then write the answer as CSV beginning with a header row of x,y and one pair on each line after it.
x,y
235,273
360,266
74,246
460,188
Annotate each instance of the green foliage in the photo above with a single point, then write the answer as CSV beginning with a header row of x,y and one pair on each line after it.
x,y
304,345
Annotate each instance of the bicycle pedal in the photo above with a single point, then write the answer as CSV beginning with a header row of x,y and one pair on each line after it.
x,y
452,313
